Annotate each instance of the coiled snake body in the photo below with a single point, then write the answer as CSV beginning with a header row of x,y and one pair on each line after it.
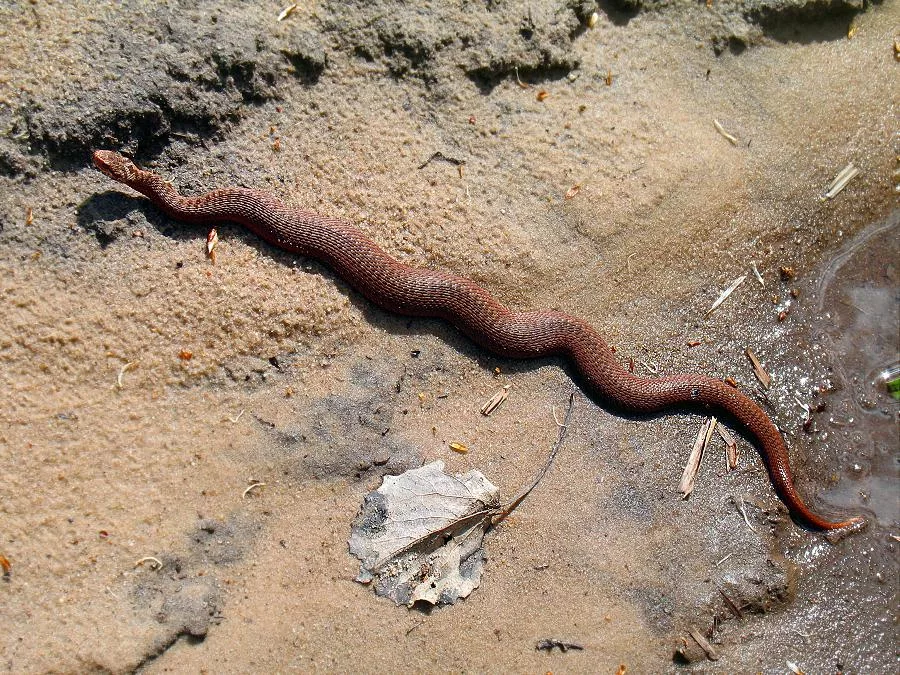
x,y
421,292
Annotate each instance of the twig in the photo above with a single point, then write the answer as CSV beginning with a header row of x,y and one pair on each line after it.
x,y
495,401
686,485
728,291
724,559
156,561
124,369
523,85
757,274
547,644
731,453
287,11
840,181
711,652
442,157
504,510
728,137
495,514
743,512
764,378
251,487
733,607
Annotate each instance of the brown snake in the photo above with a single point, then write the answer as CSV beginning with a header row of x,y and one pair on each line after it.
x,y
421,292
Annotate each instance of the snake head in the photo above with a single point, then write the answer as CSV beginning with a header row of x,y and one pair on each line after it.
x,y
116,166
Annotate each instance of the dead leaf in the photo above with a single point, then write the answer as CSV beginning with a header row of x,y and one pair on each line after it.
x,y
419,536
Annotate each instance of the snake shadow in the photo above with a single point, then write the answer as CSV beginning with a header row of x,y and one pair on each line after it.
x,y
104,214
113,214
110,215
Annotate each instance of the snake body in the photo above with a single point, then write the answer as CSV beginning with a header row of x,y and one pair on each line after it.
x,y
414,291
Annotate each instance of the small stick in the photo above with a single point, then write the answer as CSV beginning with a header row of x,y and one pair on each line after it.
x,y
840,181
510,506
711,652
724,559
287,11
764,378
252,486
686,486
743,512
757,274
547,644
523,85
728,291
441,156
731,453
495,401
212,240
733,607
493,514
157,563
728,137
124,369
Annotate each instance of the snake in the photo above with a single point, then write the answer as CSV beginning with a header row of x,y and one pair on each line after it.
x,y
423,292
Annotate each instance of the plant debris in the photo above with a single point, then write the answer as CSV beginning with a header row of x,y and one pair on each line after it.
x,y
419,536
522,85
711,652
461,448
728,291
728,137
440,156
739,503
212,240
731,453
496,400
764,378
547,645
287,11
840,181
124,369
757,274
157,563
252,486
686,485
731,605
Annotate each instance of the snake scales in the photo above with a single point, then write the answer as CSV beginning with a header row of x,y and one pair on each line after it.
x,y
421,292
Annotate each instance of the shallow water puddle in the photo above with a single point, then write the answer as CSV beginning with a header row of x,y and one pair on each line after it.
x,y
859,297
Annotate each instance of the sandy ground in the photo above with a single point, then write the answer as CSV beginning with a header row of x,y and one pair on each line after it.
x,y
144,388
